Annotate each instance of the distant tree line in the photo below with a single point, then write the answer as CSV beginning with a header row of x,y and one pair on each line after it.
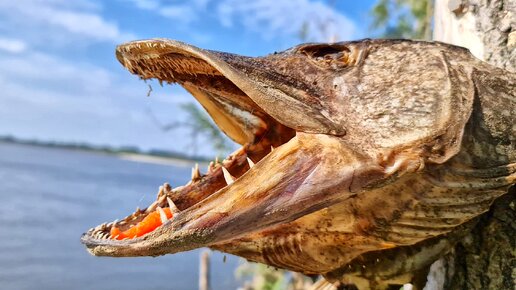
x,y
100,148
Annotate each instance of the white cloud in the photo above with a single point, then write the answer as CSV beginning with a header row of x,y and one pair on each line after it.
x,y
12,45
76,19
46,86
146,4
184,13
316,20
47,80
75,4
85,24
44,70
46,77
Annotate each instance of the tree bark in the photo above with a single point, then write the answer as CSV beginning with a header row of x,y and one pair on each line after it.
x,y
485,258
486,27
204,271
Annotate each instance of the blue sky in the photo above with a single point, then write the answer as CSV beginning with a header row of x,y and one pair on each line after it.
x,y
59,79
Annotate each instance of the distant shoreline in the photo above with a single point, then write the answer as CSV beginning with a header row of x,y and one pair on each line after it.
x,y
126,153
135,157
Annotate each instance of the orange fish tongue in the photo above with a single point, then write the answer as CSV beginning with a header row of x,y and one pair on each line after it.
x,y
147,225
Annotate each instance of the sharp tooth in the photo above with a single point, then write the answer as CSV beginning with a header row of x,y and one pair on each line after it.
x,y
227,176
137,211
172,206
152,207
162,215
250,162
160,192
196,174
161,199
210,167
216,159
272,148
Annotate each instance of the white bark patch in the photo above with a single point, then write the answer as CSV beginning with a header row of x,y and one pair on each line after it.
x,y
436,276
457,29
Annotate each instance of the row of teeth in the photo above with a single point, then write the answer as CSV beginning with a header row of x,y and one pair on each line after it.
x,y
196,173
101,231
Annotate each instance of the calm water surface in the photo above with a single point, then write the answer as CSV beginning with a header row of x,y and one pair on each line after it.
x,y
49,197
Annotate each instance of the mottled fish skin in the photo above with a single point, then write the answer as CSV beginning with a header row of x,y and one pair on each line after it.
x,y
352,152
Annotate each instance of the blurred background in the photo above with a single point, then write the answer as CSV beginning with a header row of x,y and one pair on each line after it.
x,y
83,141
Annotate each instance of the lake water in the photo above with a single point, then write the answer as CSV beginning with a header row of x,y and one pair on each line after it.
x,y
49,197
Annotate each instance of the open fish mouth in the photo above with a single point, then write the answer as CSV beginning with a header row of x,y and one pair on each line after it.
x,y
192,212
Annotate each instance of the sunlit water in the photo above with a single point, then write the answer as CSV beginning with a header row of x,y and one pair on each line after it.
x,y
49,197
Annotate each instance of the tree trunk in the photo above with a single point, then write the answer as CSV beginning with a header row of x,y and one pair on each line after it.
x,y
486,27
204,270
485,259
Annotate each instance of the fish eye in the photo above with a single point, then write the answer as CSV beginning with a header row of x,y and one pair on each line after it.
x,y
333,56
